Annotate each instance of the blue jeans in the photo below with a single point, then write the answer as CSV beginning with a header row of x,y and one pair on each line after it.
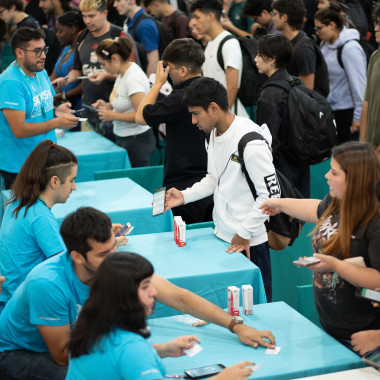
x,y
261,258
30,365
139,147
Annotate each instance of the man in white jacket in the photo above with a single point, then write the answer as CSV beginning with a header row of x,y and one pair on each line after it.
x,y
236,213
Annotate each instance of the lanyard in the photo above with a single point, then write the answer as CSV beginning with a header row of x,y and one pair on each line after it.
x,y
33,89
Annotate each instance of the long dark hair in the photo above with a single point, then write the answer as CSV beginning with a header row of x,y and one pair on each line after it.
x,y
46,160
113,302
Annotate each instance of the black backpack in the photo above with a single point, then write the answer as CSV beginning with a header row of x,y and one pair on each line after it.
x,y
282,229
138,49
321,78
311,131
251,80
366,46
165,36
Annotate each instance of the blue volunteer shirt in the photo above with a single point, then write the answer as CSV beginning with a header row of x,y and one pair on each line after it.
x,y
122,355
25,242
17,94
51,295
147,32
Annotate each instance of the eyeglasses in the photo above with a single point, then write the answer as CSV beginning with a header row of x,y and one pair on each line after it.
x,y
38,51
165,65
275,13
318,28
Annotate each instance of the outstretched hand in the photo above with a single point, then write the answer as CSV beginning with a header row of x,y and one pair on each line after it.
x,y
173,198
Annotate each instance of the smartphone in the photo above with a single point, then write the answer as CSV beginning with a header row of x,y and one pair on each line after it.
x,y
202,372
126,230
90,107
159,201
307,261
372,358
79,113
369,294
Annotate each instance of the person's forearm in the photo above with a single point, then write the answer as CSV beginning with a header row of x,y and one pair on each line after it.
x,y
358,276
232,91
303,209
308,80
128,117
152,58
75,92
149,98
160,348
239,32
34,129
363,122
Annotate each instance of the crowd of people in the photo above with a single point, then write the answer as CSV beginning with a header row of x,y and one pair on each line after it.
x,y
102,66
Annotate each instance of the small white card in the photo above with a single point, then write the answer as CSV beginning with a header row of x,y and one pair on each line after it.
x,y
255,367
82,119
196,349
272,351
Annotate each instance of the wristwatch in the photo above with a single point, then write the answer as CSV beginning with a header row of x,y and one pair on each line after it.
x,y
235,321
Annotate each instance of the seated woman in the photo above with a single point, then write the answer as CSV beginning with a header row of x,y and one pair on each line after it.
x,y
347,227
29,232
130,88
347,75
109,339
274,52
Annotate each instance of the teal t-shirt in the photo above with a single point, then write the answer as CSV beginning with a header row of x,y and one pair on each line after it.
x,y
51,295
17,94
25,242
122,355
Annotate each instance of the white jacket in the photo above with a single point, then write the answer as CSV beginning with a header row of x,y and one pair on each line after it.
x,y
235,210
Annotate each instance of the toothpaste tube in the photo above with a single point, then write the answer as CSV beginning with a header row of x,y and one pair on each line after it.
x,y
247,293
233,300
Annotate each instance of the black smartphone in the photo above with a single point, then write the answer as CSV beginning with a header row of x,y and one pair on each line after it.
x,y
90,107
372,358
126,230
369,294
202,372
159,201
79,113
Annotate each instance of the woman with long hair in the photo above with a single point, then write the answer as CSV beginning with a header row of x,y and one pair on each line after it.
x,y
130,87
346,239
347,65
29,231
109,339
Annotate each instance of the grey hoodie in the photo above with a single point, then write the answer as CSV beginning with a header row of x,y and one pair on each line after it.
x,y
346,85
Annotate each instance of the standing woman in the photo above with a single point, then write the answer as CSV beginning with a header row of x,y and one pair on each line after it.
x,y
130,87
109,338
29,232
347,227
348,77
68,26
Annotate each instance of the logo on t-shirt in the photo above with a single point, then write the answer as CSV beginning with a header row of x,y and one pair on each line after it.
x,y
273,186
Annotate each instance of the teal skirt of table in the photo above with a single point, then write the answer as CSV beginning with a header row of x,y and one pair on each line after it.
x,y
202,266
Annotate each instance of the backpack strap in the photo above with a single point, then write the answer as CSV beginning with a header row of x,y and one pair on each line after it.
x,y
219,54
137,22
286,85
250,136
340,51
80,38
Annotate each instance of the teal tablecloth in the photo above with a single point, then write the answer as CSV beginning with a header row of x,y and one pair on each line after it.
x,y
121,199
305,349
202,266
94,153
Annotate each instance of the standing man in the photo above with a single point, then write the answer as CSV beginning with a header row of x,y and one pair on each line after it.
x,y
370,117
12,13
26,103
35,324
144,31
174,20
236,214
288,17
53,9
207,14
100,83
185,154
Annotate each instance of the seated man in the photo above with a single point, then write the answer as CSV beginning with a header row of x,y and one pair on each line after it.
x,y
35,324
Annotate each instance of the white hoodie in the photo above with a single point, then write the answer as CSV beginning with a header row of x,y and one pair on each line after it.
x,y
235,210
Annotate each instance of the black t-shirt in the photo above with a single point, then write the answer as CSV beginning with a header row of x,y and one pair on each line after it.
x,y
341,313
304,58
29,21
185,154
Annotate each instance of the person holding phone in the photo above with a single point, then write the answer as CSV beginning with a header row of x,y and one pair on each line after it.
x,y
122,296
347,226
130,87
